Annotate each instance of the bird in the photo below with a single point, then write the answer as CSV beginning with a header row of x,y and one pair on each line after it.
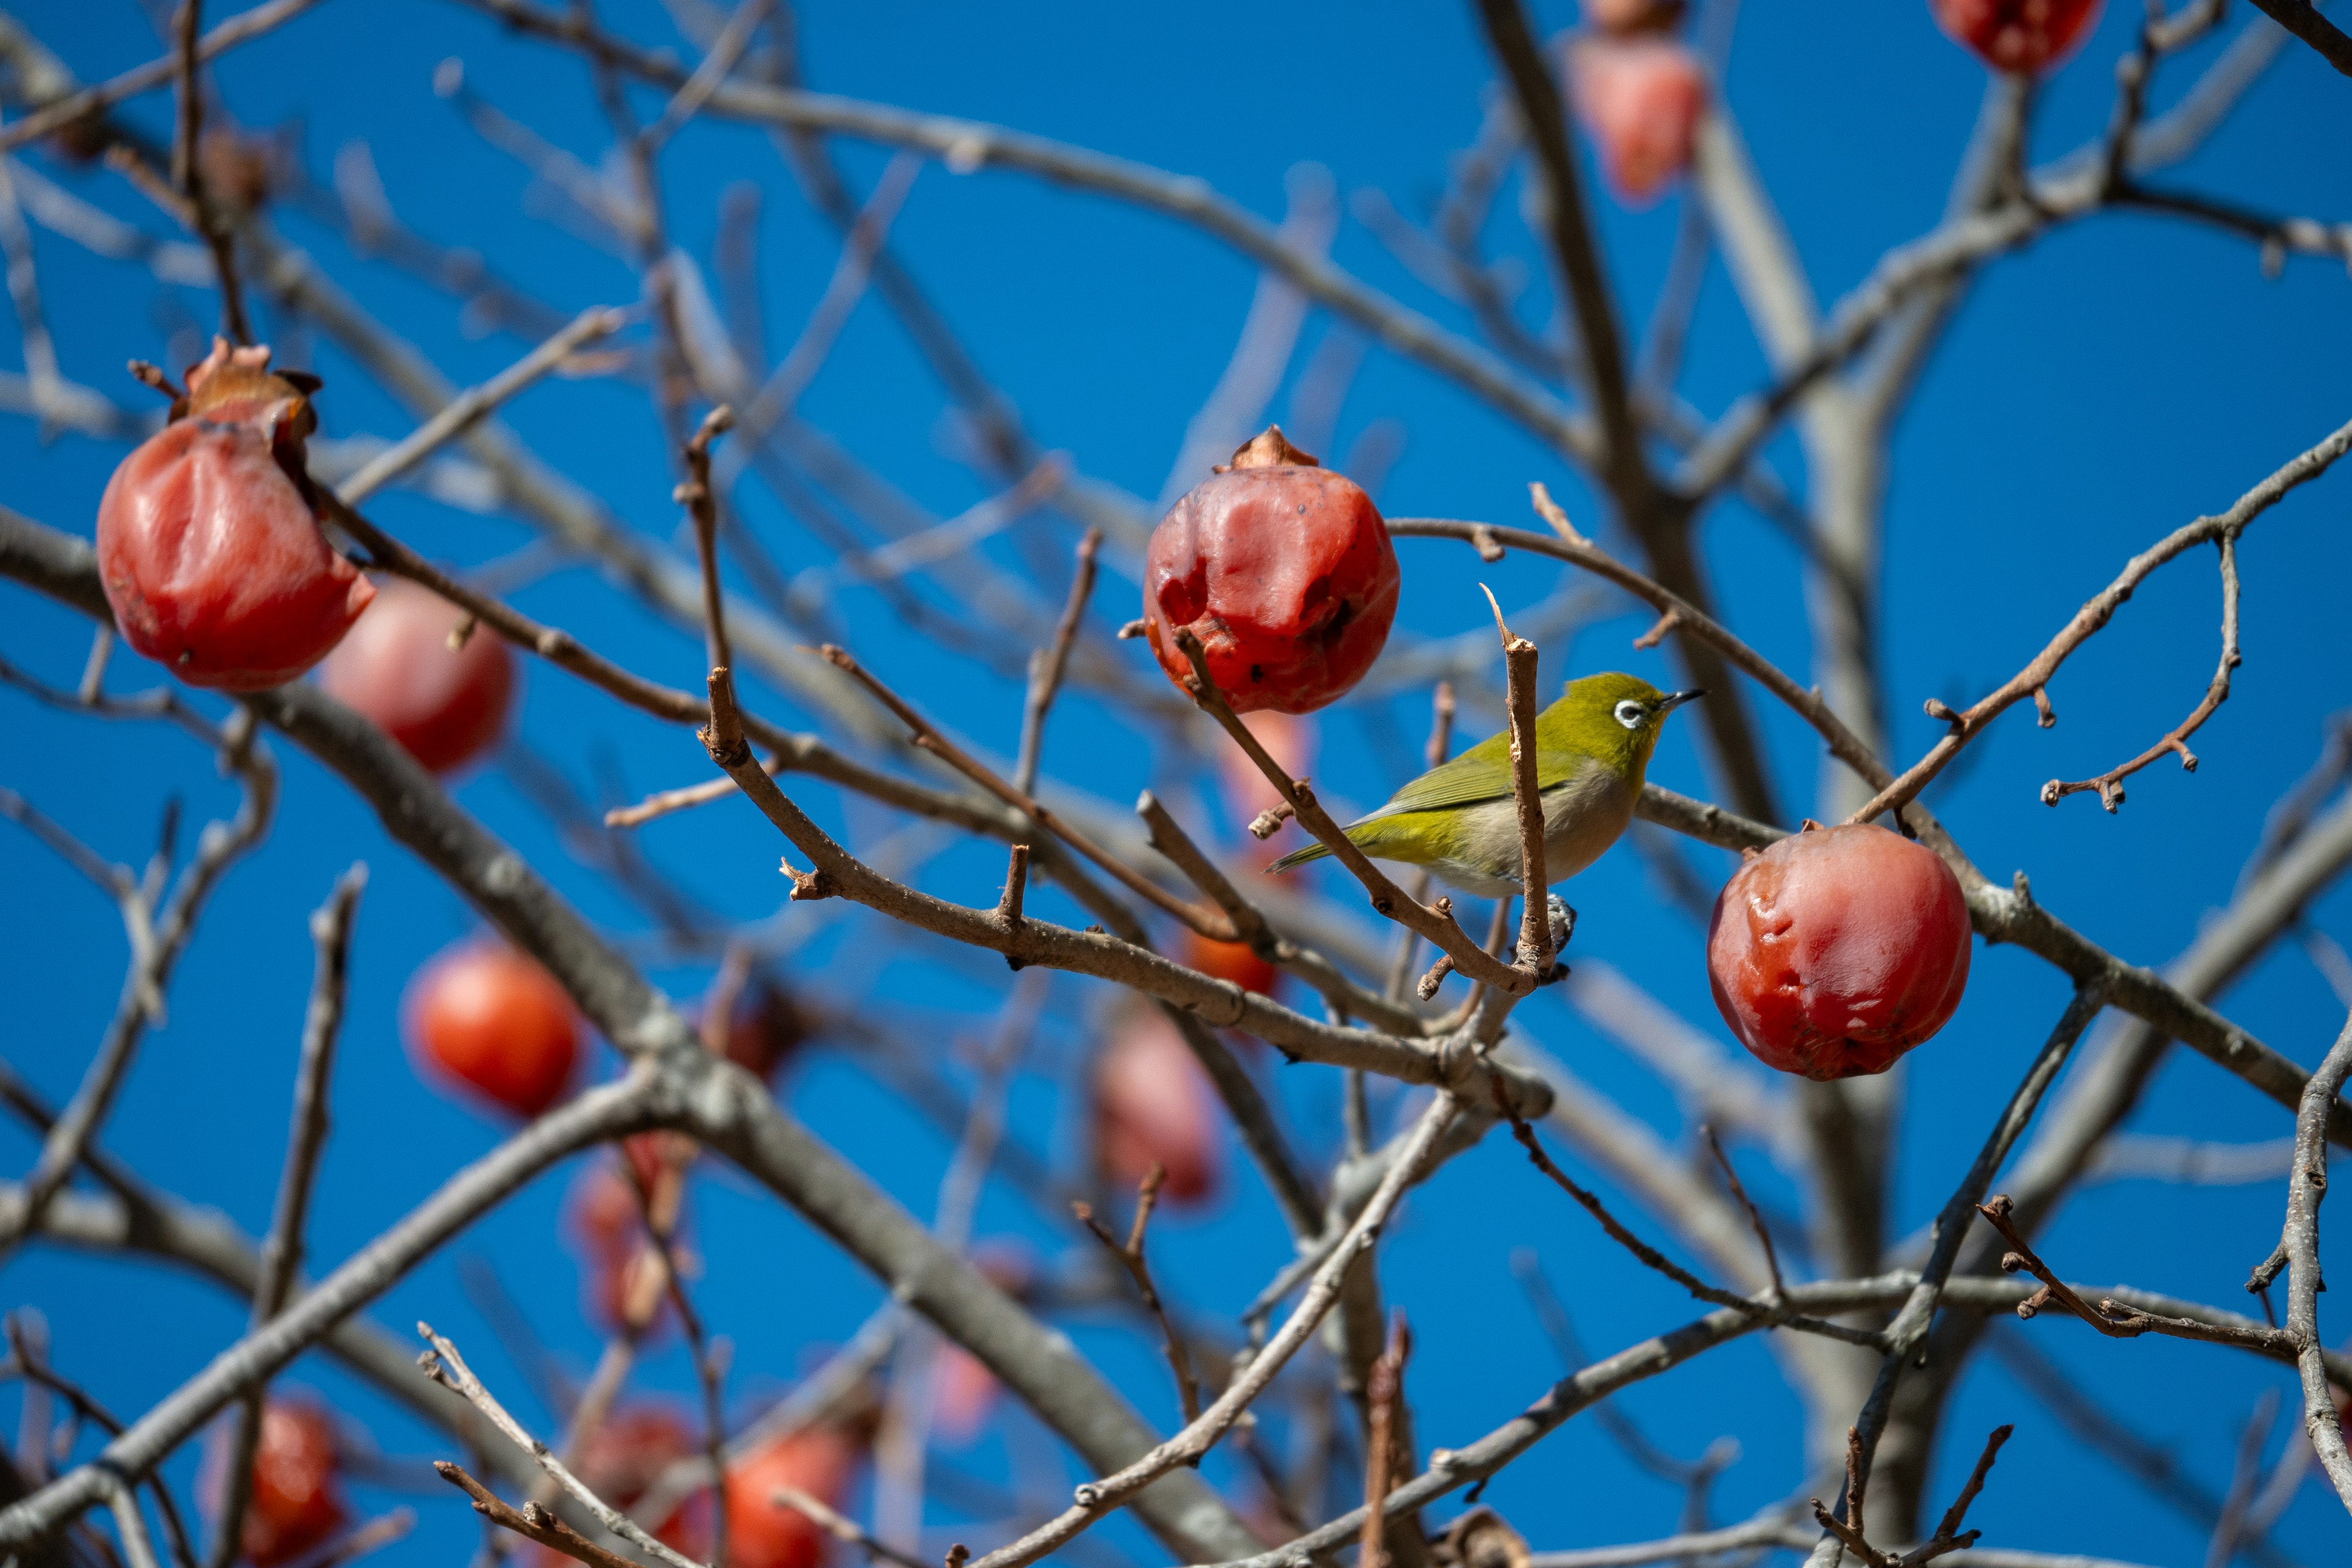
x,y
1461,821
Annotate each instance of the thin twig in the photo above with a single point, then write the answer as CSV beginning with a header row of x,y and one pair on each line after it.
x,y
1652,1258
1388,898
2110,784
533,1522
282,1254
1755,1216
474,404
1046,665
446,1366
1385,1392
1129,1254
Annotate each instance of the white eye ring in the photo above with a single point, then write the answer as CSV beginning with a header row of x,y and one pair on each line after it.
x,y
1629,714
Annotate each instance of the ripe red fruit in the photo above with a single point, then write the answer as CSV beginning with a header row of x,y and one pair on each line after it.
x,y
629,1452
1640,98
445,706
1284,570
1234,960
1153,1105
208,545
1837,950
486,1016
762,1533
298,1501
2017,34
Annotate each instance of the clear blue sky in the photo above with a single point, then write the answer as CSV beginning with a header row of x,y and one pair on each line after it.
x,y
2120,377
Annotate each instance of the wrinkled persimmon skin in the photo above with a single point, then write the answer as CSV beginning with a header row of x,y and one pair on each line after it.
x,y
1837,950
2017,34
210,554
1153,1105
1641,99
445,706
1287,576
493,1020
762,1533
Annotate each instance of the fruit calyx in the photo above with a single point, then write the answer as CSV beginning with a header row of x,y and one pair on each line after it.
x,y
1269,449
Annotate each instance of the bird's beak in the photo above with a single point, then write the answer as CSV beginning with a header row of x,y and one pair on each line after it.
x,y
1676,698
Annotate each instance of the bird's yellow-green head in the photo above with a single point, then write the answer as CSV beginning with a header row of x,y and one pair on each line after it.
x,y
1613,718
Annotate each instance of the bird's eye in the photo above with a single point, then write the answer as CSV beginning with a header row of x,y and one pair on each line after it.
x,y
1629,714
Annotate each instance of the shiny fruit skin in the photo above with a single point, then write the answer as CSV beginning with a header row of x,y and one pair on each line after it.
x,y
2017,34
1640,98
1232,960
444,706
296,1502
1153,1105
1285,573
488,1017
762,1533
1837,950
212,562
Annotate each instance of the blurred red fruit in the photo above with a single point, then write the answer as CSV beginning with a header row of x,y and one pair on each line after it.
x,y
1233,960
1641,99
765,1031
625,1456
1285,571
445,706
1154,1105
297,1502
487,1017
1837,950
207,543
2017,34
762,1533
963,1396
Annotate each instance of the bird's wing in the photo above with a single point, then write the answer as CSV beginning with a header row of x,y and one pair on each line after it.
x,y
1474,776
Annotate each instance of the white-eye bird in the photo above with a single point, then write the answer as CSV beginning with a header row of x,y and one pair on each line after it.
x,y
1459,819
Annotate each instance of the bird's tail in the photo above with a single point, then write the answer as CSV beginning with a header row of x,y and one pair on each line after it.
x,y
1300,858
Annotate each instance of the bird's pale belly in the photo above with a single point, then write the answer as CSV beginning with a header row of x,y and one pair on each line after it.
x,y
1582,820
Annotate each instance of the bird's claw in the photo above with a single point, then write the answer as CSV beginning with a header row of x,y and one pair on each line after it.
x,y
1563,921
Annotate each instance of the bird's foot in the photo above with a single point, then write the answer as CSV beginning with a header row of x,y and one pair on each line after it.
x,y
1563,921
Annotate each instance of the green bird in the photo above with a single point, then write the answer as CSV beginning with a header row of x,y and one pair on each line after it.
x,y
1459,819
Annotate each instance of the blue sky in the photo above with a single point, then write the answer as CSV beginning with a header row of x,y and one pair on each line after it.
x,y
2117,378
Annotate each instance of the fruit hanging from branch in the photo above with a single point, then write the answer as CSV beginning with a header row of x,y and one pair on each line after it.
x,y
2017,34
208,538
1283,569
1836,950
1640,98
485,1016
410,664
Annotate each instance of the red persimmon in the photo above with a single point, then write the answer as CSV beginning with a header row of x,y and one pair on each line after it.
x,y
208,542
445,705
627,1454
1234,960
1153,1106
1837,950
764,1533
1284,570
298,1503
485,1016
2017,34
1640,98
